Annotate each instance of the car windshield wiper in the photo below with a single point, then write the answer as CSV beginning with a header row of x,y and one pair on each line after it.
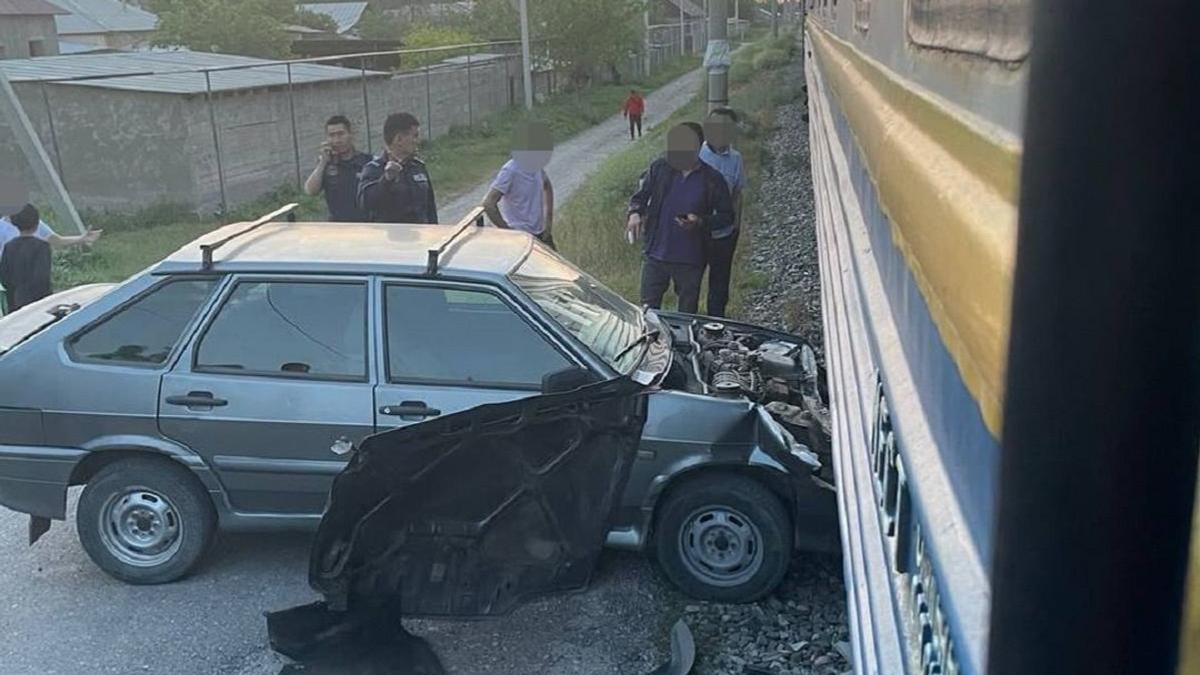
x,y
642,339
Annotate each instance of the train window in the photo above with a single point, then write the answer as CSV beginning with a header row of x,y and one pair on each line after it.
x,y
994,29
862,15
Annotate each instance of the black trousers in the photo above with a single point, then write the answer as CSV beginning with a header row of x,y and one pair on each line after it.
x,y
658,276
720,271
635,121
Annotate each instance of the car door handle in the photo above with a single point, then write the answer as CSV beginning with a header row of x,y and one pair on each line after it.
x,y
410,409
197,399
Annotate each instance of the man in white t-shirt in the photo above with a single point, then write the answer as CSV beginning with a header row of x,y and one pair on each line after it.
x,y
8,232
522,196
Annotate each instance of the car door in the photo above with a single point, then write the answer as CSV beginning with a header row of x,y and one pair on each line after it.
x,y
276,380
448,347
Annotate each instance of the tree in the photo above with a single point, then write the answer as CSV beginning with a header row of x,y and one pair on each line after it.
x,y
582,34
247,27
378,25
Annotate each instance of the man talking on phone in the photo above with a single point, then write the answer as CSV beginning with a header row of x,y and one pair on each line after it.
x,y
337,170
395,186
679,202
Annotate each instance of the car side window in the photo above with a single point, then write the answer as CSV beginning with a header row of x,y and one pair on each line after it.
x,y
314,330
464,337
144,332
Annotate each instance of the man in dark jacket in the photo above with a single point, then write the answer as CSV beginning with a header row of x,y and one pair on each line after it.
x,y
679,202
395,187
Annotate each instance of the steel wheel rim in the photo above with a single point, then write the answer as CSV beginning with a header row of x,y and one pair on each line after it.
x,y
721,546
140,527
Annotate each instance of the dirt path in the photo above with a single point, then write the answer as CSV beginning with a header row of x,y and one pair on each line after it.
x,y
576,158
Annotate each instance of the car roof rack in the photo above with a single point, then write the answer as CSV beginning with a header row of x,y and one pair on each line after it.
x,y
473,217
206,250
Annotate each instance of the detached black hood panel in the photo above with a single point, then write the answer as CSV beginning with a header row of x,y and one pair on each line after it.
x,y
477,512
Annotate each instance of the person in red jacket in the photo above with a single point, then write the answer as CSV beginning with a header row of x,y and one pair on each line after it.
x,y
633,108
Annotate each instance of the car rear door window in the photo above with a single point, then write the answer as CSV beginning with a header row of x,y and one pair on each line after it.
x,y
314,330
145,331
464,337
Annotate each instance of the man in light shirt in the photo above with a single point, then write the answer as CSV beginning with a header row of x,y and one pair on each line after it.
x,y
8,232
522,196
718,152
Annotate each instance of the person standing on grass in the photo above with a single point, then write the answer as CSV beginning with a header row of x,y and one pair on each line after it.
x,y
395,186
9,231
522,196
634,108
718,152
25,262
680,201
338,165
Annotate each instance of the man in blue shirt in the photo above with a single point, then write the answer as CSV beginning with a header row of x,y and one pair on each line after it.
x,y
718,153
336,174
679,203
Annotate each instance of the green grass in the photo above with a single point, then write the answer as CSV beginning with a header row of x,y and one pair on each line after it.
x,y
589,227
458,161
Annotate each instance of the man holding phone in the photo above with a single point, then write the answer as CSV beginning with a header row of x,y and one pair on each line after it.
x,y
338,165
679,202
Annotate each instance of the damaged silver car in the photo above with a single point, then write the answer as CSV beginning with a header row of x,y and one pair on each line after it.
x,y
227,386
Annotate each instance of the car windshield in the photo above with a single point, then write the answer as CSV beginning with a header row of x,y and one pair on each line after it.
x,y
604,321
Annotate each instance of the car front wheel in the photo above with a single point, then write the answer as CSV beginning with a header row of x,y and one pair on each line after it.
x,y
145,521
723,537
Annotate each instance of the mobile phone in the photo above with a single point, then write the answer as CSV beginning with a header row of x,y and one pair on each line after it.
x,y
629,236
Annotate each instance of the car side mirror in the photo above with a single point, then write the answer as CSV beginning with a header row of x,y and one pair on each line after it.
x,y
567,379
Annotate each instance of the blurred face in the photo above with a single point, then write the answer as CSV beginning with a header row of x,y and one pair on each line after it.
x,y
683,148
720,131
406,143
532,146
340,138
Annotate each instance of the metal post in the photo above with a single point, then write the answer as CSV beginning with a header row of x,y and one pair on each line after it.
x,y
53,134
470,96
775,18
428,105
646,41
35,154
717,58
362,64
682,34
212,121
295,132
526,64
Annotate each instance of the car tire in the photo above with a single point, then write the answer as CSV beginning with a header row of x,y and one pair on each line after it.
x,y
725,538
145,521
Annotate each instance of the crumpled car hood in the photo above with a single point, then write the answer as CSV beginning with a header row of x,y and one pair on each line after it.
x,y
468,515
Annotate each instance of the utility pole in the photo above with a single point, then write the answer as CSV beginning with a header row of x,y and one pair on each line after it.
x,y
716,58
682,31
47,178
646,40
526,65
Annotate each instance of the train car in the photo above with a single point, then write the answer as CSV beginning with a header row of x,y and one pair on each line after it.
x,y
918,114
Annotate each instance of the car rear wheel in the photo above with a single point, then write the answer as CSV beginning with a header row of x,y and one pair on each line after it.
x,y
145,521
723,537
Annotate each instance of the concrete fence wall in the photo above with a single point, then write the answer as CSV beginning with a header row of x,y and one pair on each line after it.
x,y
124,150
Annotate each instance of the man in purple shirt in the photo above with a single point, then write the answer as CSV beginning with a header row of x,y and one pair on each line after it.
x,y
679,202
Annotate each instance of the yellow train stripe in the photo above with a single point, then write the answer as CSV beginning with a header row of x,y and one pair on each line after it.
x,y
950,189
1189,645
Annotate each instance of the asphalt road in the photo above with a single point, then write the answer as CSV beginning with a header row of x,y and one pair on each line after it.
x,y
60,615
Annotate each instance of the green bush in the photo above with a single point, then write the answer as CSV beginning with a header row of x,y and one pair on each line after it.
x,y
769,59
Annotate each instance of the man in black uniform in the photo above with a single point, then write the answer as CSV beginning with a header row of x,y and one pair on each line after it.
x,y
336,173
395,186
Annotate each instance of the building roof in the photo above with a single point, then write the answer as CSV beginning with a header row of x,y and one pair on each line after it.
x,y
88,17
29,8
68,47
333,247
689,8
345,14
171,72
